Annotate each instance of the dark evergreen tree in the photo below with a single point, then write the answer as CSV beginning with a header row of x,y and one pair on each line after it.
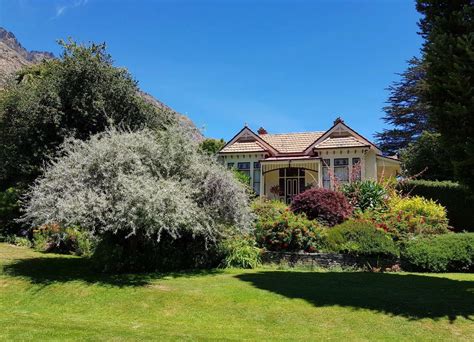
x,y
448,29
425,157
406,112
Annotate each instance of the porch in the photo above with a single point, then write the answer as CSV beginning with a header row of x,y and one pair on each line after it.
x,y
282,179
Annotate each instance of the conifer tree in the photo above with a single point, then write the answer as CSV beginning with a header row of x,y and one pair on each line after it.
x,y
448,29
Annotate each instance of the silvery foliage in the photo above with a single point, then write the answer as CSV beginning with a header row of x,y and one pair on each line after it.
x,y
143,182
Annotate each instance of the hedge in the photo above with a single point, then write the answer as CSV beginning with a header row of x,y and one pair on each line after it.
x,y
456,198
360,238
452,252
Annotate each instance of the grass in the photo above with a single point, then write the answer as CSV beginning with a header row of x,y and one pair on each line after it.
x,y
53,297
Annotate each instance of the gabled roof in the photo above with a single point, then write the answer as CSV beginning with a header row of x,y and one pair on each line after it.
x,y
246,135
247,146
338,142
291,142
338,136
340,126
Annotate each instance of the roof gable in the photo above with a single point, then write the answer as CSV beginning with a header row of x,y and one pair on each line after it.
x,y
341,142
340,131
247,141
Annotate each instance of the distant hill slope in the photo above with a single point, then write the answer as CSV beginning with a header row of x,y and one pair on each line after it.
x,y
13,56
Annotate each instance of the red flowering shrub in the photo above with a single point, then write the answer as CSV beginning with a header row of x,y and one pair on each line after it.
x,y
327,206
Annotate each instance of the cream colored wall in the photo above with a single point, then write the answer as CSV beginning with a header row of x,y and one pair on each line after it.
x,y
387,169
370,165
272,179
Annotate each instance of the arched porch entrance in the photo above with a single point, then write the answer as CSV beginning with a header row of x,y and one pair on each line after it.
x,y
284,179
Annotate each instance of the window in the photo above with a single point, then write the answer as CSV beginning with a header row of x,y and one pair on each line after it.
x,y
256,177
244,167
356,169
326,173
341,169
230,165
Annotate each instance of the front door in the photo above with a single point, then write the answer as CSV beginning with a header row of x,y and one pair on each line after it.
x,y
292,188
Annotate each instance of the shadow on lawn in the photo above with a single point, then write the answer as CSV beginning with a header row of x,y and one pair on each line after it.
x,y
48,270
410,296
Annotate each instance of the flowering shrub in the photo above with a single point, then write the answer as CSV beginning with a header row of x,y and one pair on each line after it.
x,y
409,216
364,195
288,231
54,238
327,206
360,238
141,184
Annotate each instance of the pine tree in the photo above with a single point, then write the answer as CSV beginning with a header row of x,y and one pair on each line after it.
x,y
406,110
448,29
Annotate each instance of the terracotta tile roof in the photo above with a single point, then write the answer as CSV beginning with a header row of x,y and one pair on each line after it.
x,y
341,142
291,142
271,159
241,146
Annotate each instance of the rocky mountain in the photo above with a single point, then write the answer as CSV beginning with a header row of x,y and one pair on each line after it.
x,y
13,56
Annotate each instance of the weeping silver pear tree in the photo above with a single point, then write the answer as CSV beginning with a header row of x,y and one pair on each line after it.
x,y
146,184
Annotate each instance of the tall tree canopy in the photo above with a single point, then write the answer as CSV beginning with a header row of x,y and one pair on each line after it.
x,y
77,95
211,146
406,111
426,157
448,29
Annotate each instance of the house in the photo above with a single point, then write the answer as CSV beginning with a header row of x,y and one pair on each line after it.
x,y
281,166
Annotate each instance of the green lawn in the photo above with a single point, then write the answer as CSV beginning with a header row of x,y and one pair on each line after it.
x,y
57,297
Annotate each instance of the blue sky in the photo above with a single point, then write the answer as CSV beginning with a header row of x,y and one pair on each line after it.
x,y
289,66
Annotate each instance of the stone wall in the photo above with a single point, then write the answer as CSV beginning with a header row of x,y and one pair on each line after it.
x,y
327,260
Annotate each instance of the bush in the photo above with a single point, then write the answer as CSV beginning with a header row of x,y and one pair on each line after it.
x,y
406,217
140,185
364,195
55,239
327,206
444,253
18,241
454,197
266,209
289,232
361,239
9,211
116,254
418,215
240,252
